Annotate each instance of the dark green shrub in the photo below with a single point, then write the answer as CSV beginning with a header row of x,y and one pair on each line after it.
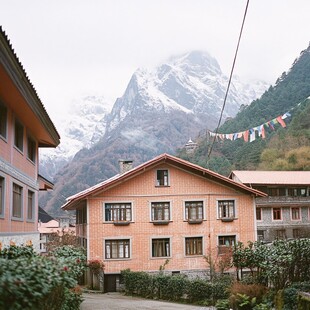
x,y
199,289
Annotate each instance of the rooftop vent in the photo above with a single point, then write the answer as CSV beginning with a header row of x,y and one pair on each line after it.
x,y
125,165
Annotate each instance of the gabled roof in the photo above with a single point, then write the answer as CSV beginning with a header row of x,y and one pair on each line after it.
x,y
20,94
271,177
44,217
72,201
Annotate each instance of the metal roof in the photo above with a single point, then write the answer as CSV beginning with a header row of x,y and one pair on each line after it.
x,y
271,177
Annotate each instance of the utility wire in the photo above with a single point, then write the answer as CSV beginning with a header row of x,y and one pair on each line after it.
x,y
229,82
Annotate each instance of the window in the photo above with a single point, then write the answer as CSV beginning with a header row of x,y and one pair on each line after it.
x,y
193,246
1,197
162,178
19,136
161,247
258,214
226,209
31,149
226,243
117,249
81,216
17,201
3,120
296,233
30,206
160,211
297,192
280,234
276,213
260,235
118,212
295,213
277,191
194,210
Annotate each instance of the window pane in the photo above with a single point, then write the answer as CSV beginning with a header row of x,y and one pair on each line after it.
x,y
226,209
193,246
194,210
19,136
276,213
17,201
226,243
117,249
1,196
259,214
31,150
30,206
3,120
162,178
160,211
161,247
118,212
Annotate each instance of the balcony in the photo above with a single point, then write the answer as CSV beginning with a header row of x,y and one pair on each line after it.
x,y
283,200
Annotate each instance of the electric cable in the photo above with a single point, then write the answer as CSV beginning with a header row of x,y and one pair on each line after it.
x,y
229,82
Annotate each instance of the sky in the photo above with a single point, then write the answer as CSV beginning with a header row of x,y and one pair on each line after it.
x,y
75,48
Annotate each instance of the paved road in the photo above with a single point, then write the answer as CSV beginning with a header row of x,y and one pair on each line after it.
x,y
117,301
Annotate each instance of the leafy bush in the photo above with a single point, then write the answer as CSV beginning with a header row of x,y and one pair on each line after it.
x,y
29,281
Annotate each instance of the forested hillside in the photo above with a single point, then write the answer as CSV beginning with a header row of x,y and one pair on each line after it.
x,y
283,148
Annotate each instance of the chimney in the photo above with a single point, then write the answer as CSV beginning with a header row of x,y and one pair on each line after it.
x,y
125,165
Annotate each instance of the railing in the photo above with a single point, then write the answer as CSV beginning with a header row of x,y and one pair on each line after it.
x,y
282,199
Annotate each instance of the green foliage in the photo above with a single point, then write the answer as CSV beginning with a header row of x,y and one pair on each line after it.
x,y
174,287
34,282
281,264
222,304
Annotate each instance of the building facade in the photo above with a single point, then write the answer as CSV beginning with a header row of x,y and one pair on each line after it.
x,y
24,127
165,209
285,212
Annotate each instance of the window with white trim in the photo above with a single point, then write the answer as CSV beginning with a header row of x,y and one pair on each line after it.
x,y
276,214
194,210
161,247
193,246
226,209
118,212
117,249
160,211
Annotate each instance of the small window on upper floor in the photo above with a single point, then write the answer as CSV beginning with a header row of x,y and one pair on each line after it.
x,y
19,136
162,178
31,149
259,214
3,120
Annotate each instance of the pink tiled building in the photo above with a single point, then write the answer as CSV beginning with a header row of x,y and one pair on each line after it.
x,y
24,127
166,208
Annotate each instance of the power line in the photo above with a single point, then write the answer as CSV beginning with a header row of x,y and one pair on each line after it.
x,y
229,82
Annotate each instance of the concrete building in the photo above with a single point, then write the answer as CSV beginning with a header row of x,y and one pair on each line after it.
x,y
166,208
285,212
24,127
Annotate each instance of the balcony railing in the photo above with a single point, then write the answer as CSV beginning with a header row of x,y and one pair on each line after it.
x,y
289,200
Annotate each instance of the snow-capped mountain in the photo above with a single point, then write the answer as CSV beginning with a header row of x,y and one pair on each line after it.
x,y
83,128
159,111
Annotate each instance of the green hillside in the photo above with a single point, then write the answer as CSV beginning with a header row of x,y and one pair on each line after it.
x,y
283,148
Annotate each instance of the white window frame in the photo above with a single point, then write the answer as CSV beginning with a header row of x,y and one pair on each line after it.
x,y
299,212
